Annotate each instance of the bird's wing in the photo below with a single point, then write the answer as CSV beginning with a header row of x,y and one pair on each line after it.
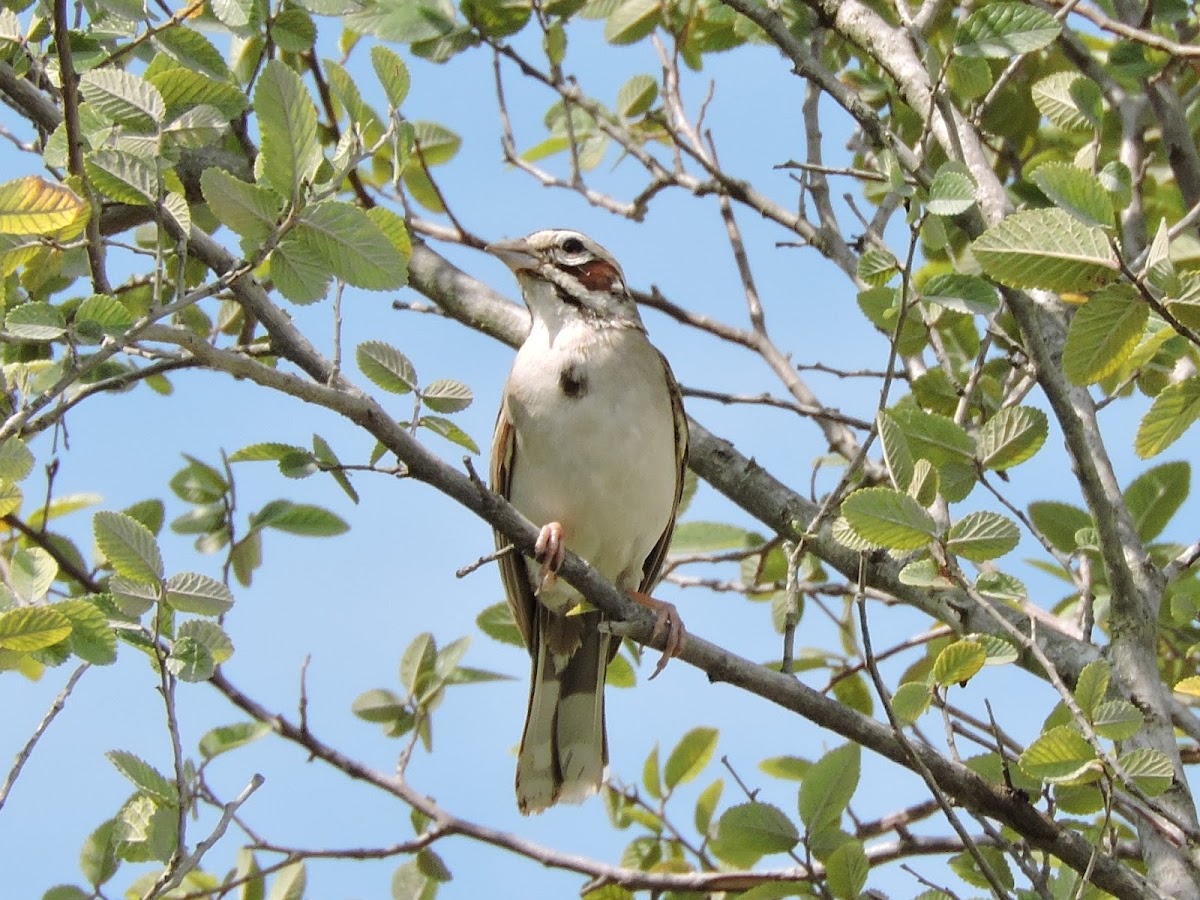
x,y
513,572
654,562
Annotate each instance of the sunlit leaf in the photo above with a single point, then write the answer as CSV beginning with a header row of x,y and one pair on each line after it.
x,y
983,535
1001,30
288,125
34,206
1173,412
1059,754
690,756
888,518
29,628
129,546
1103,333
1011,437
1046,248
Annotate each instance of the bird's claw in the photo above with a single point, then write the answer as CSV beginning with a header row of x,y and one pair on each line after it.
x,y
550,550
666,621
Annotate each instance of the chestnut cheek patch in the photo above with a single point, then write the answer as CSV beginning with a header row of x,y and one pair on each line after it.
x,y
597,275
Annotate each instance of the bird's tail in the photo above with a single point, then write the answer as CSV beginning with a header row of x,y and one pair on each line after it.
x,y
564,750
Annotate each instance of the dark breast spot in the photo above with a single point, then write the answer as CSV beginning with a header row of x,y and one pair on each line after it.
x,y
572,380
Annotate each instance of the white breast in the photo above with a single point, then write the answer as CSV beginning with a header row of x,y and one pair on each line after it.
x,y
602,463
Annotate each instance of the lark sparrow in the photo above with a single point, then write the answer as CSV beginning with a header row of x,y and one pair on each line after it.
x,y
590,445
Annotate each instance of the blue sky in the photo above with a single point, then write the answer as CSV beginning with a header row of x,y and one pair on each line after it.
x,y
353,603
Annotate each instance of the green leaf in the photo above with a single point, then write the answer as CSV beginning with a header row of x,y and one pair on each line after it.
x,y
290,883
10,498
450,431
1117,720
1059,754
129,546
16,460
416,665
1173,412
631,21
651,777
888,518
1069,100
300,518
144,777
193,50
190,661
966,867
706,805
750,831
1150,769
1076,190
29,628
707,537
124,177
1046,248
1001,30
877,267
846,870
789,768
938,439
958,662
198,482
1156,495
287,121
962,293
250,210
497,623
123,98
293,30
209,634
1011,436
983,535
438,144
1103,334
195,593
352,245
183,89
690,756
392,74
103,314
92,638
636,96
31,572
36,322
896,455
1059,522
1092,685
446,396
911,700
133,598
952,191
827,788
224,738
98,858
1000,651
386,366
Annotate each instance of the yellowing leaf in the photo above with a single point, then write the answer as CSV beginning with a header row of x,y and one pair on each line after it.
x,y
34,206
959,662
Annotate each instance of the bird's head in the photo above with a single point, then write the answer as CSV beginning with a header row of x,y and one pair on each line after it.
x,y
565,274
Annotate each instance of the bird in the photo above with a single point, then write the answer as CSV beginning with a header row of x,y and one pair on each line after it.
x,y
591,446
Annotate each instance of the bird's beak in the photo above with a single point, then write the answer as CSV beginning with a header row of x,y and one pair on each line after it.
x,y
516,254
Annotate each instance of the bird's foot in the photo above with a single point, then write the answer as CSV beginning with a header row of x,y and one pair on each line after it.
x,y
550,550
666,620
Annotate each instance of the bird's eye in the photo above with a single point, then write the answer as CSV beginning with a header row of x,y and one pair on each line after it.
x,y
573,245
